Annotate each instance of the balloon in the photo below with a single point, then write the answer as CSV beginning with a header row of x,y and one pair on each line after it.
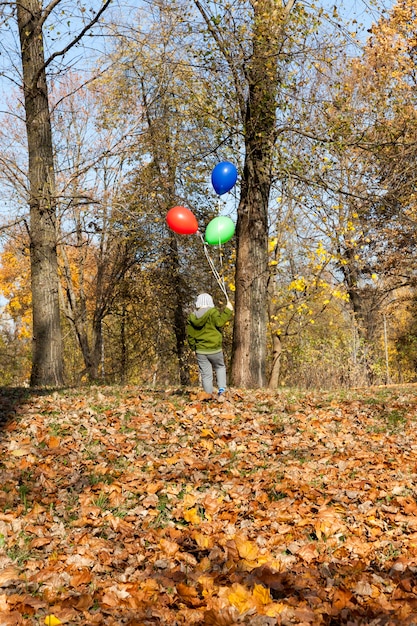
x,y
182,220
219,230
223,177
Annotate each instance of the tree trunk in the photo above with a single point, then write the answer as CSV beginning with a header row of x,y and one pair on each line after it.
x,y
365,312
123,345
250,325
180,322
165,164
75,310
249,333
276,361
47,359
97,351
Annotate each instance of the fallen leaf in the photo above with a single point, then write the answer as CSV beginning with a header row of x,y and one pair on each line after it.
x,y
8,575
169,547
308,553
84,577
363,588
191,516
54,442
240,597
261,594
341,599
20,452
51,620
246,549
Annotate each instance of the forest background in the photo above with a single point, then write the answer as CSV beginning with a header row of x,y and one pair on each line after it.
x,y
142,107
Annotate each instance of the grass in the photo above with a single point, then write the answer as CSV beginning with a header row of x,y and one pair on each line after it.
x,y
102,501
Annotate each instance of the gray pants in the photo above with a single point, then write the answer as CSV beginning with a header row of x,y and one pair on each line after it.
x,y
206,364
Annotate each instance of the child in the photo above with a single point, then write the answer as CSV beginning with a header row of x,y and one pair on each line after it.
x,y
205,339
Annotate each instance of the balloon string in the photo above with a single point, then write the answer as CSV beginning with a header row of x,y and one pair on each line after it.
x,y
221,258
219,208
216,274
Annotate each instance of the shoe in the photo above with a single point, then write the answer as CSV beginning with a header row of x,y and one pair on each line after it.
x,y
221,396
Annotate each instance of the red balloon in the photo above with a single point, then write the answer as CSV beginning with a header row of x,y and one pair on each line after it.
x,y
182,220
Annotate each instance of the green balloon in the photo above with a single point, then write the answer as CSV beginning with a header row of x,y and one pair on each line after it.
x,y
219,230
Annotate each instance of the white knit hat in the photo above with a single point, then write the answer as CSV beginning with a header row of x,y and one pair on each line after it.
x,y
204,301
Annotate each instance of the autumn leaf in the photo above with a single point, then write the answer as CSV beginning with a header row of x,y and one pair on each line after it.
x,y
308,552
226,616
240,597
192,516
83,577
51,620
169,547
54,442
247,549
189,595
189,500
261,595
203,541
17,452
341,599
223,537
8,574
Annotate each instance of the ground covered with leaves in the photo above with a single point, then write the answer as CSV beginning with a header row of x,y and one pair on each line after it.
x,y
120,506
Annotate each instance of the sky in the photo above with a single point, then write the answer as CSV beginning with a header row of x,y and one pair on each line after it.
x,y
365,12
360,13
57,34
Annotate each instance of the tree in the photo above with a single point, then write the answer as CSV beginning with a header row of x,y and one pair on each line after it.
x,y
47,359
366,182
47,367
154,84
96,249
257,46
386,79
15,322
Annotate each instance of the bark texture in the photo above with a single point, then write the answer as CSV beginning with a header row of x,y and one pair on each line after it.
x,y
47,360
258,109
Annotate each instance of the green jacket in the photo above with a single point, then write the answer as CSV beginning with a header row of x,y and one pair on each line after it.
x,y
203,332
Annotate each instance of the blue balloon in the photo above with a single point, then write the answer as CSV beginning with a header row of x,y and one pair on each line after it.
x,y
223,177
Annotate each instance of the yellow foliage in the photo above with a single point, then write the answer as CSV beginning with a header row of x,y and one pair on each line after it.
x,y
272,244
15,286
299,284
244,599
191,516
241,598
246,549
275,609
340,295
204,542
261,594
321,252
51,620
